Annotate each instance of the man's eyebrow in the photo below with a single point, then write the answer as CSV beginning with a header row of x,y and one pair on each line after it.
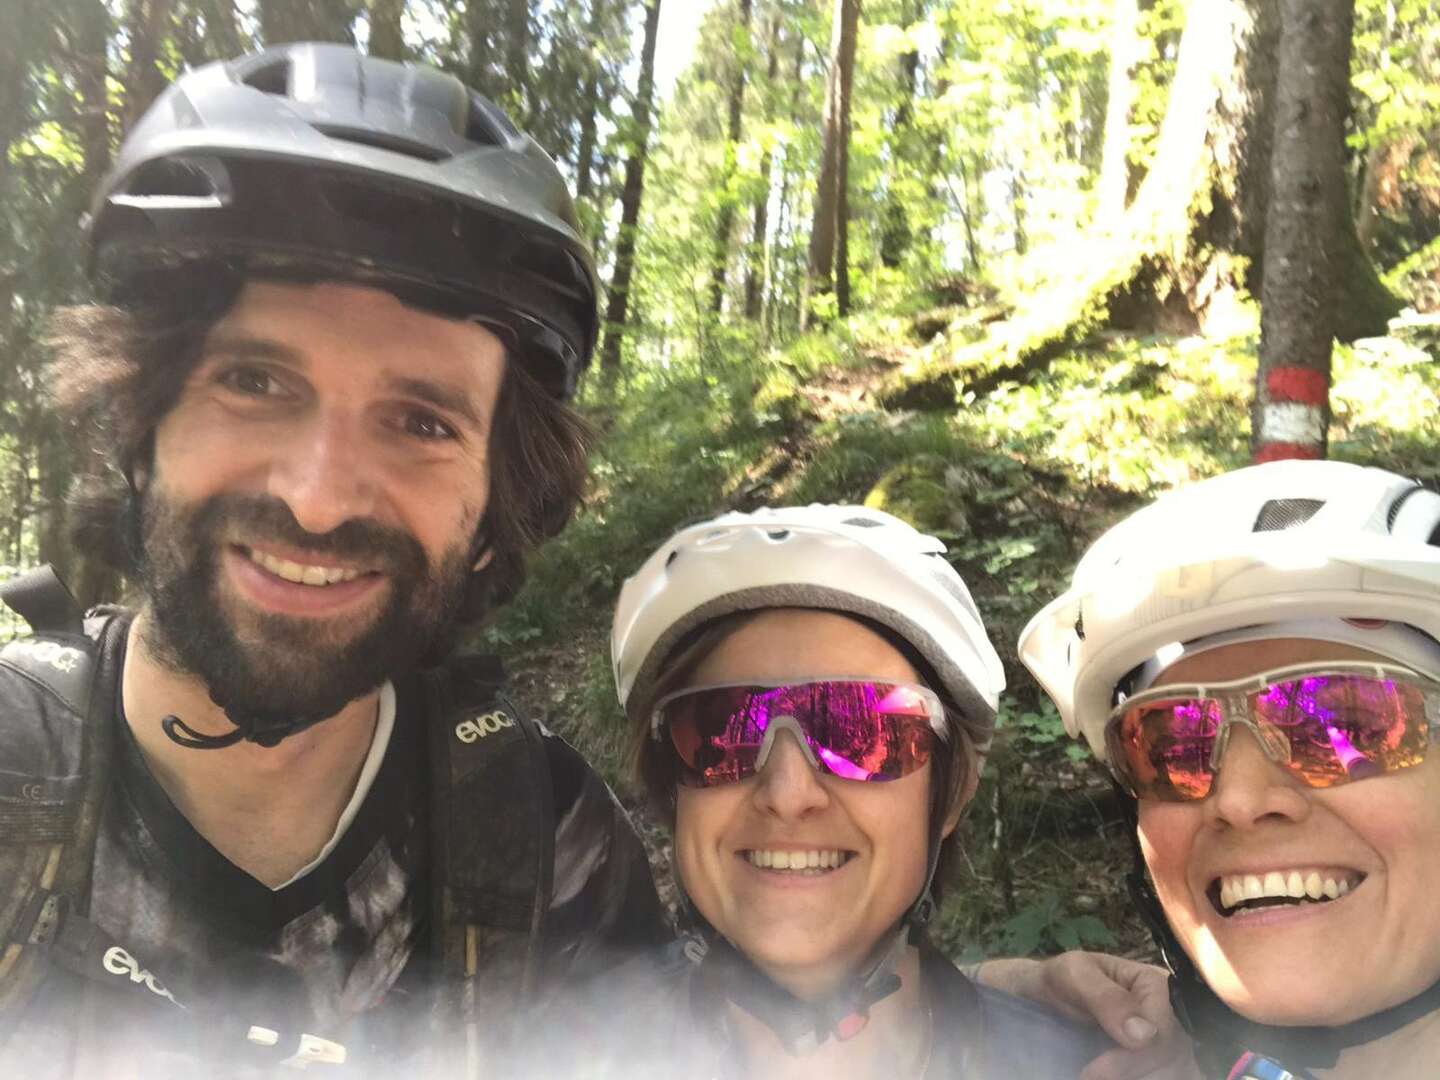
x,y
246,347
444,396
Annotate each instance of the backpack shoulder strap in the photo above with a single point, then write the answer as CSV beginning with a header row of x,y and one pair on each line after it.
x,y
493,828
57,688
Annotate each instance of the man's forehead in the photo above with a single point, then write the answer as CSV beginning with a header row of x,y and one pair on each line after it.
x,y
295,322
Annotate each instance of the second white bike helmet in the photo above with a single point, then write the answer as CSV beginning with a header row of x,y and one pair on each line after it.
x,y
842,558
1271,543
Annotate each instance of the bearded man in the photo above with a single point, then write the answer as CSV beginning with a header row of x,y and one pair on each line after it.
x,y
264,816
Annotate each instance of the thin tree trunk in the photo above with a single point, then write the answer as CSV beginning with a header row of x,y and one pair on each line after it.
x,y
1367,216
758,256
146,24
895,232
826,221
842,174
585,153
725,220
517,50
1113,187
1303,234
387,39
222,28
619,303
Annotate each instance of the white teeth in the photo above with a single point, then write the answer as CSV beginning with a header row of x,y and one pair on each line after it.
x,y
302,575
808,862
1305,885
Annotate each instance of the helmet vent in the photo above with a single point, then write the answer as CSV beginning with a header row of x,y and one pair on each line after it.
x,y
487,125
271,78
181,177
778,534
1397,504
383,141
1280,514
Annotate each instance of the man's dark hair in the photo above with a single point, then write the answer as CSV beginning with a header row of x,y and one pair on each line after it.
x,y
117,371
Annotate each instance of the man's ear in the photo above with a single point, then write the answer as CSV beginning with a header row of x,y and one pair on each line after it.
x,y
963,797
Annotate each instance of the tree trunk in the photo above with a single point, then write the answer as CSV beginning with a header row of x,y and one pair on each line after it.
x,y
517,55
91,73
1194,234
307,20
895,230
222,29
585,153
725,220
387,38
826,222
842,172
619,304
760,226
1303,231
146,24
1113,187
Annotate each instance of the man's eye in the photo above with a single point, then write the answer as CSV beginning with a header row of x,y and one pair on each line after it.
x,y
426,425
252,381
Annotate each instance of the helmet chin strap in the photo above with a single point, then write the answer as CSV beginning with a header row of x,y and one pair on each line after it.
x,y
263,731
1222,1035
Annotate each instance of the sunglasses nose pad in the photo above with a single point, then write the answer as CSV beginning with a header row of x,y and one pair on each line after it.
x,y
1275,742
784,723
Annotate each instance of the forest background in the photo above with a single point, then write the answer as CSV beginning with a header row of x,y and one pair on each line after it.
x,y
993,265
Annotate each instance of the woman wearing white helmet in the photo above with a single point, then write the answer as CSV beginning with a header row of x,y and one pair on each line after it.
x,y
1256,658
810,691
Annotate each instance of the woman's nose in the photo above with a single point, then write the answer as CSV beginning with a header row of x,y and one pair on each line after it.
x,y
1250,787
788,785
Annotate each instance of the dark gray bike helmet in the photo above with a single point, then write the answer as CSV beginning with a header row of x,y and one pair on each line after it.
x,y
316,160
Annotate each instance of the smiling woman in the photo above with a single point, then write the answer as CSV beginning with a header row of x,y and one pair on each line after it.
x,y
1267,698
810,692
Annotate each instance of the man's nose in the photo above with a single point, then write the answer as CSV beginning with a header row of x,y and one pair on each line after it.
x,y
322,476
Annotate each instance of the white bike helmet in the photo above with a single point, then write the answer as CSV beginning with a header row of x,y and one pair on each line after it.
x,y
841,558
1276,542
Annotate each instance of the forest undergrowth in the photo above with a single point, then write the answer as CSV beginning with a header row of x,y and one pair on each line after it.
x,y
1016,479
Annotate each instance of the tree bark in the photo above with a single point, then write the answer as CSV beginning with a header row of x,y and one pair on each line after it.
x,y
146,24
387,38
617,310
585,153
827,222
307,20
725,219
1113,187
760,225
1303,231
896,233
517,55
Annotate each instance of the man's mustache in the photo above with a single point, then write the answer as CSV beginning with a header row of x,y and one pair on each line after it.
x,y
239,518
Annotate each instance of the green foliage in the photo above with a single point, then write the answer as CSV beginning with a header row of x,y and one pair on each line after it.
x,y
1045,926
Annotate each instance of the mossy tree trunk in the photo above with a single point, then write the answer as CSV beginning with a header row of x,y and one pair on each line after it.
x,y
1194,235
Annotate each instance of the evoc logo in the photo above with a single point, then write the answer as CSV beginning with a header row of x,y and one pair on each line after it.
x,y
119,962
61,657
476,728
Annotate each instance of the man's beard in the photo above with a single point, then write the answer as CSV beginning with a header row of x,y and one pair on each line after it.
x,y
267,670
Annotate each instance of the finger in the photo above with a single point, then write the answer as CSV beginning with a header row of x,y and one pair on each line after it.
x,y
1160,1062
1128,1015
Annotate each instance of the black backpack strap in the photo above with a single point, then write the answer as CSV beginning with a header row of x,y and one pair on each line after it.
x,y
52,785
493,843
40,598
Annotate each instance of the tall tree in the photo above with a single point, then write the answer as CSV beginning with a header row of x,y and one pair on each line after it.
x,y
896,229
387,37
589,116
618,308
829,240
725,219
1303,230
147,23
307,20
760,224
1113,187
